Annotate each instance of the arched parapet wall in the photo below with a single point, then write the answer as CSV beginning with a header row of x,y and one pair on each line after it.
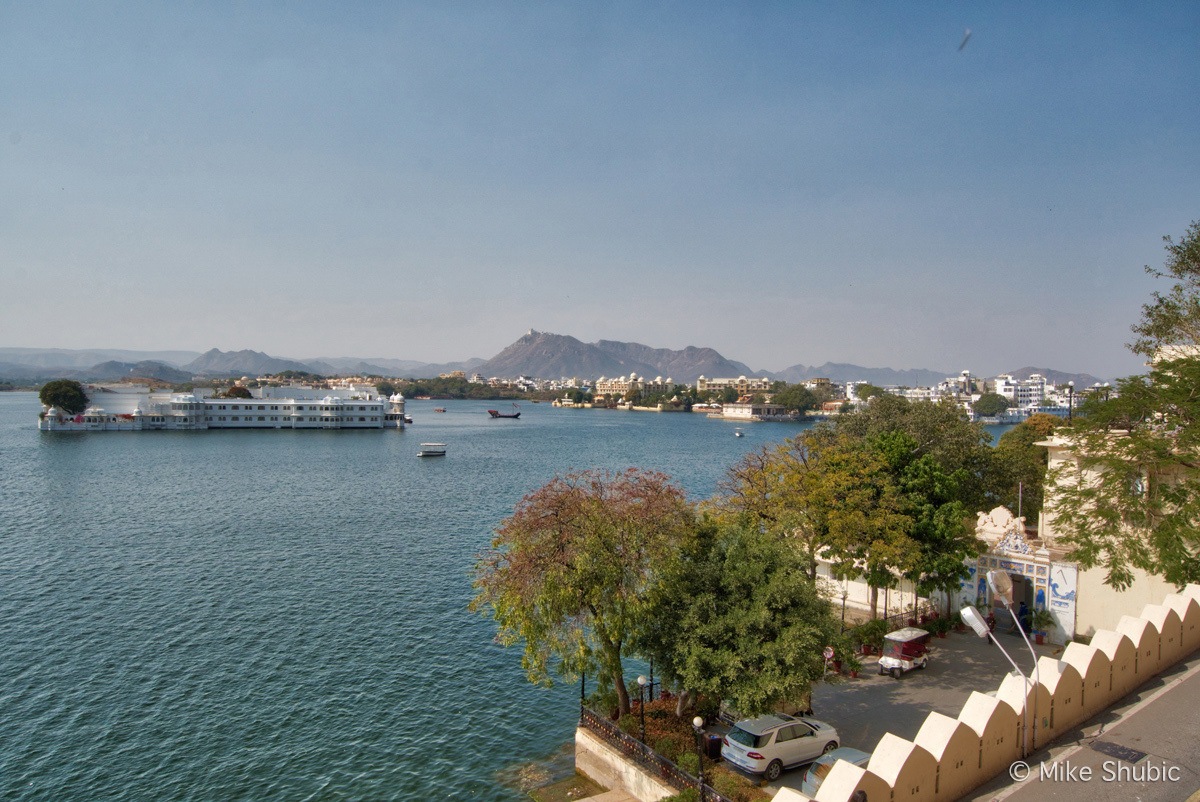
x,y
909,770
955,747
1188,610
997,725
1095,670
1064,687
1170,632
1147,642
844,779
1122,655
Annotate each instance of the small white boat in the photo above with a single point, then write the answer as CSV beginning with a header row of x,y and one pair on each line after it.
x,y
432,450
738,433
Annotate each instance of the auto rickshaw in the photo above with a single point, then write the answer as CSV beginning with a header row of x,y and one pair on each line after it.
x,y
904,650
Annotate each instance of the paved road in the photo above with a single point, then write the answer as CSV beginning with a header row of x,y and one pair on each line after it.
x,y
863,709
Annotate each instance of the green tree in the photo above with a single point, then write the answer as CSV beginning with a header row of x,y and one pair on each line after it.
x,y
940,430
1022,464
66,394
733,616
568,571
238,391
794,397
990,405
828,495
1130,498
933,499
385,388
865,392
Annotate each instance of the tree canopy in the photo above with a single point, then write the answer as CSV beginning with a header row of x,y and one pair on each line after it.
x,y
569,570
733,617
1130,498
828,495
238,391
989,405
1022,464
66,394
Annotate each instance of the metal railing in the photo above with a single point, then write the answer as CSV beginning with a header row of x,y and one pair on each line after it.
x,y
641,754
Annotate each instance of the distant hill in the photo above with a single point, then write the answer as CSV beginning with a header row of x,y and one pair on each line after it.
x,y
58,358
242,363
883,377
404,368
555,355
147,369
1081,380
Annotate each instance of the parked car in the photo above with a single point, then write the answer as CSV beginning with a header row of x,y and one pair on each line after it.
x,y
820,767
769,744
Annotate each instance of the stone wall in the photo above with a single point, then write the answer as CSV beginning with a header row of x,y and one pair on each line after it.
x,y
599,762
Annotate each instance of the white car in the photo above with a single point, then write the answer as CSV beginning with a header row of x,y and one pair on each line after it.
x,y
769,744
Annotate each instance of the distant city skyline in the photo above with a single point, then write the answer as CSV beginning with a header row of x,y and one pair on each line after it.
x,y
787,183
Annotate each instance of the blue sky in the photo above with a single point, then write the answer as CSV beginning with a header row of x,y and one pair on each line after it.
x,y
784,182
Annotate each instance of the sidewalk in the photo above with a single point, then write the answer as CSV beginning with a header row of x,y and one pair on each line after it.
x,y
1146,747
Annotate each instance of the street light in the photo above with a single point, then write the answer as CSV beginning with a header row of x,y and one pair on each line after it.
x,y
1070,398
975,621
698,726
1002,587
642,704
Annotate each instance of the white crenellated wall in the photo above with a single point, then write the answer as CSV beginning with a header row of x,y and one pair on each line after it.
x,y
951,756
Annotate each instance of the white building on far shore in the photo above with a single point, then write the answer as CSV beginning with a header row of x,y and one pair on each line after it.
x,y
269,408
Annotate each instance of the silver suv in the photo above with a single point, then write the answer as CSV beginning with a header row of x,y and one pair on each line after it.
x,y
768,744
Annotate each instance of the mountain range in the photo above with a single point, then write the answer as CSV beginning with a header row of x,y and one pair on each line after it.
x,y
537,354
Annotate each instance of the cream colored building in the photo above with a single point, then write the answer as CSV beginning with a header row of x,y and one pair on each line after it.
x,y
633,383
743,385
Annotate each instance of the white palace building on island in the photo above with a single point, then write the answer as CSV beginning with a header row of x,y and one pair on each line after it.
x,y
355,407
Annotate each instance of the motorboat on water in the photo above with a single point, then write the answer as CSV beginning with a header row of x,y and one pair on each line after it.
x,y
738,432
432,450
498,414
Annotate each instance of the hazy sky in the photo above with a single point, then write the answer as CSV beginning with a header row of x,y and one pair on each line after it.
x,y
785,182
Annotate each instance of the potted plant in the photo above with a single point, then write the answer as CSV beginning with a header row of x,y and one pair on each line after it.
x,y
957,622
1041,622
852,664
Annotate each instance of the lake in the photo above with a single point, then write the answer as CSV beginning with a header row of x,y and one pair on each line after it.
x,y
279,615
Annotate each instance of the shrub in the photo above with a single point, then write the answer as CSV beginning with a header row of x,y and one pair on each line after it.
x,y
688,795
689,762
735,786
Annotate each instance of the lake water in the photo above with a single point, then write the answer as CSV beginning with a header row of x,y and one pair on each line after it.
x,y
282,615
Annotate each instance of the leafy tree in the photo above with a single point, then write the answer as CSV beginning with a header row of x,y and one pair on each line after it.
x,y
733,616
940,430
569,570
238,391
728,396
1022,464
829,496
66,394
385,388
865,392
990,405
941,528
794,397
1131,496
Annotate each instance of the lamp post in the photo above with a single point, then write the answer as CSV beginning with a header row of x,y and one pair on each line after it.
x,y
1002,588
975,621
698,726
1070,399
642,704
